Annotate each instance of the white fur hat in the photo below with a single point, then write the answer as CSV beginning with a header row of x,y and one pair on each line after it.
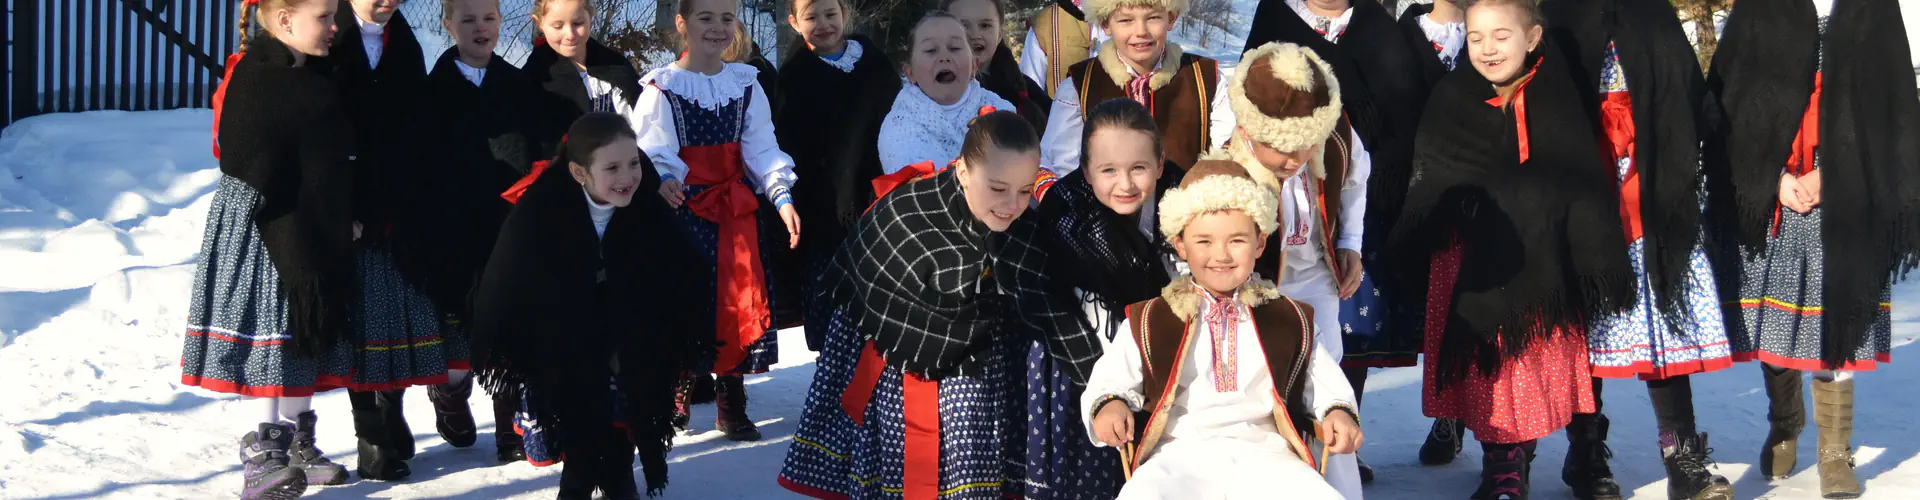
x,y
1285,96
1098,10
1213,186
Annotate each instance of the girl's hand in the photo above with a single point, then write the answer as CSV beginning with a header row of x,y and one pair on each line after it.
x,y
1113,424
1810,184
1793,195
673,191
1350,272
1343,435
356,231
792,219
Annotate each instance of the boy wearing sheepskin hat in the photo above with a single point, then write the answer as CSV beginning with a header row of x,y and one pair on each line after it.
x,y
1244,424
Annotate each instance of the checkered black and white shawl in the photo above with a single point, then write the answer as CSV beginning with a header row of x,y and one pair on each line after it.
x,y
931,286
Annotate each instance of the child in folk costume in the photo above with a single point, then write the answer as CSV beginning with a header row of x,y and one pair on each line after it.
x,y
384,73
576,73
477,102
709,130
1233,420
849,78
1522,241
1059,36
269,316
1103,214
1809,88
572,311
929,118
1183,91
1642,83
993,61
931,302
1289,109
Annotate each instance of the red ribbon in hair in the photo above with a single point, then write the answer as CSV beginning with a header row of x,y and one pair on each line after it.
x,y
519,188
220,94
1519,100
250,3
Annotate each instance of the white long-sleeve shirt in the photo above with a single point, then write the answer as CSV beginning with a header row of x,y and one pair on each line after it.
x,y
1034,57
769,169
1198,411
1060,146
1296,208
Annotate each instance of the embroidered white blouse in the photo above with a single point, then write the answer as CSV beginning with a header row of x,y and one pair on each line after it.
x,y
919,129
769,168
849,56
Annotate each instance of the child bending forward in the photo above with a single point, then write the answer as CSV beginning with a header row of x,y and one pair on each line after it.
x,y
1226,370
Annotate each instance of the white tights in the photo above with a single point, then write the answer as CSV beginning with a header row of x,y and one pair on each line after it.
x,y
281,409
1831,375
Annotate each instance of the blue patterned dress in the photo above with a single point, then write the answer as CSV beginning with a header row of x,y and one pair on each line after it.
x,y
1642,341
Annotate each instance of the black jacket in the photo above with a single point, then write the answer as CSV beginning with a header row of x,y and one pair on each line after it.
x,y
387,107
480,147
284,132
564,97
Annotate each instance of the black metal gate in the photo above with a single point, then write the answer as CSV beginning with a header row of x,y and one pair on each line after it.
x,y
134,55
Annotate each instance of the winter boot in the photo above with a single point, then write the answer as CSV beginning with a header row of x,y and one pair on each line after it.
x,y
1443,442
683,402
1586,469
1366,471
616,470
730,394
702,389
396,420
1788,414
379,461
263,460
309,459
508,446
1833,414
1503,471
451,415
577,478
1686,456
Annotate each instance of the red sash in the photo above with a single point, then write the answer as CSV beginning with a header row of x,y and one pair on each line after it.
x,y
921,408
1800,158
1616,117
741,311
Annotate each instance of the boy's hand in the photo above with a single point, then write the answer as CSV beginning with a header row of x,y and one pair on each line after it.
x,y
1350,272
1113,423
1342,433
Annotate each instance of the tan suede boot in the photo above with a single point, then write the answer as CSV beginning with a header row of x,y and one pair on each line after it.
x,y
1833,414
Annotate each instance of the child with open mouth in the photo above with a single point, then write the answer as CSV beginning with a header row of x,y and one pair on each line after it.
x,y
929,118
993,61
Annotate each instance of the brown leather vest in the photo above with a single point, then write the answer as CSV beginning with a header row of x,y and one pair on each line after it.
x,y
1283,328
1337,153
1181,108
1065,39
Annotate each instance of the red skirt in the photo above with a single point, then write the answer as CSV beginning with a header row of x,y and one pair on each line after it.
x,y
1530,396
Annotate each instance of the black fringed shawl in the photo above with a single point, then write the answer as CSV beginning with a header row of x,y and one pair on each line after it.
x,y
284,132
544,320
1112,261
480,147
1869,152
930,285
1669,93
1002,76
1381,90
1543,246
565,97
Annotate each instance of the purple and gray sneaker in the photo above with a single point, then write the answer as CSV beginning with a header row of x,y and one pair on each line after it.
x,y
263,460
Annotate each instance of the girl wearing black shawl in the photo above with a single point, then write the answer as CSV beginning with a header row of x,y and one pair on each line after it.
x,y
1810,88
851,81
384,79
1524,244
930,302
575,296
576,74
477,105
1103,215
993,61
270,311
1641,83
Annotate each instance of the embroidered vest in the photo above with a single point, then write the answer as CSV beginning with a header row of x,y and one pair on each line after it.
x,y
1283,328
1065,38
1337,157
1180,107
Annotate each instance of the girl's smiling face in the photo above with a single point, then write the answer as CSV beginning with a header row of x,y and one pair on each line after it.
x,y
1122,168
475,27
998,189
981,21
565,26
942,63
1499,37
1140,33
821,23
708,28
613,174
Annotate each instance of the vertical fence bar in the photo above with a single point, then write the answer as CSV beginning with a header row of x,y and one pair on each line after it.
x,y
126,58
95,82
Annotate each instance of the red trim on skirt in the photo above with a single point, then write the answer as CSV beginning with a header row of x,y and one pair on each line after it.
x,y
1859,365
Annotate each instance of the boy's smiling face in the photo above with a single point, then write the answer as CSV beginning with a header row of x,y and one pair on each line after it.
x,y
1220,248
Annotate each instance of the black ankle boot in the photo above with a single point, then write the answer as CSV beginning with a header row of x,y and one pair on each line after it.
x,y
703,391
616,470
398,433
304,455
683,401
731,396
1504,471
1686,457
508,446
577,478
1443,441
1586,469
451,415
379,461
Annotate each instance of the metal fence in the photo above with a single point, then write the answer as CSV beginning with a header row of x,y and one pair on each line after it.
x,y
79,55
